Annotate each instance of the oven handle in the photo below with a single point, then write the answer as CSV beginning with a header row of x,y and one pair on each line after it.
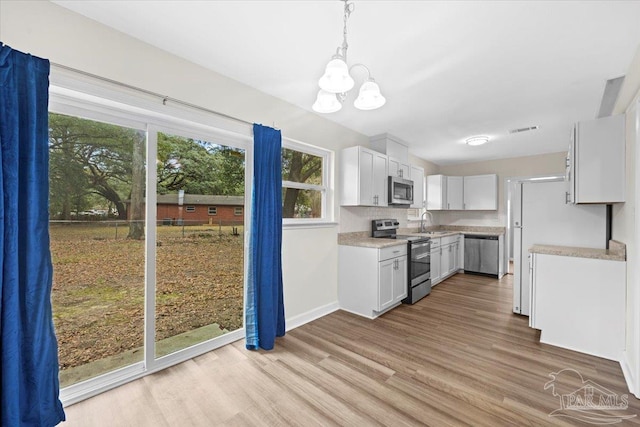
x,y
423,255
420,245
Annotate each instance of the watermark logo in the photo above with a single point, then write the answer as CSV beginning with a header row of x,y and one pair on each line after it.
x,y
586,400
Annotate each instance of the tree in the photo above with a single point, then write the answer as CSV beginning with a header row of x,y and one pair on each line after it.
x,y
136,217
199,167
303,168
89,157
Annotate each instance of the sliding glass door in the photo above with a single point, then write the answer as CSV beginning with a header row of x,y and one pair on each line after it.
x,y
148,261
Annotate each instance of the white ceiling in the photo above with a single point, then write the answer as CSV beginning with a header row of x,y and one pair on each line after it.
x,y
449,70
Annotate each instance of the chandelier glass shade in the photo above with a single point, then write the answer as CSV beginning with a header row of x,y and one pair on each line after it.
x,y
337,81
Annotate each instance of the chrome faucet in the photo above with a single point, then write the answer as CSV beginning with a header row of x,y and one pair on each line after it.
x,y
422,227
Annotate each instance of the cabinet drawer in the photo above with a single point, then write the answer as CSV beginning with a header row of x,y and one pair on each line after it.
x,y
435,243
448,240
392,252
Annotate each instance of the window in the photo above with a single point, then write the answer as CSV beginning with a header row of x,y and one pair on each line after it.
x,y
237,211
190,208
213,210
304,182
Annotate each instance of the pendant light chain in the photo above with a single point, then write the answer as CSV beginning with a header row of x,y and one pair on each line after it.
x,y
348,8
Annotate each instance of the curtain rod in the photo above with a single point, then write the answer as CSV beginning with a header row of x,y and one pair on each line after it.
x,y
148,92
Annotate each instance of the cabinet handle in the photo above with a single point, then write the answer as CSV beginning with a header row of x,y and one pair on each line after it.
x,y
448,205
567,197
401,173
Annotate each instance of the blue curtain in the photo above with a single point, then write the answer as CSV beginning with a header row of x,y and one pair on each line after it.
x,y
264,317
28,348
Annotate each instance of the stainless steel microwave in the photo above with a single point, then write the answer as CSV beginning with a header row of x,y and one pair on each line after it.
x,y
400,191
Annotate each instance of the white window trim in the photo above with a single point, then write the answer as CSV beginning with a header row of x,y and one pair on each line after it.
x,y
327,190
215,210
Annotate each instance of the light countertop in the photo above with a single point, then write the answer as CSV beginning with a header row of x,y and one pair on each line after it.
x,y
617,251
364,239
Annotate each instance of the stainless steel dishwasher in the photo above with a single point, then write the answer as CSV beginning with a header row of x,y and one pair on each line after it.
x,y
481,254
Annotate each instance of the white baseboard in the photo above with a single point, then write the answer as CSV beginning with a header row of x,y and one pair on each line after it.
x,y
311,315
628,374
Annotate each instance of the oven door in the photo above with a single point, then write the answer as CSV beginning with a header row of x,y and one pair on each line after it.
x,y
420,262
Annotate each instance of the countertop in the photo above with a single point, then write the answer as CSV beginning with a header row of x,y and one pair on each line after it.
x,y
617,251
364,239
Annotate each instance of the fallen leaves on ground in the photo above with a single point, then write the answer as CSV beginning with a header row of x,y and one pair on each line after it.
x,y
98,289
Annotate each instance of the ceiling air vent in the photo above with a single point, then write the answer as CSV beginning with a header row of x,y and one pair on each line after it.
x,y
527,129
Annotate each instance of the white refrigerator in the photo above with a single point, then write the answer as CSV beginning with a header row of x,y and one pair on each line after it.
x,y
541,216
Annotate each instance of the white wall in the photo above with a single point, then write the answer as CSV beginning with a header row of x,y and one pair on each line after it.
x,y
625,221
540,165
49,31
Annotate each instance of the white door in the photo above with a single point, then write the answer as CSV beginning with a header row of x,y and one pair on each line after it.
x,y
417,176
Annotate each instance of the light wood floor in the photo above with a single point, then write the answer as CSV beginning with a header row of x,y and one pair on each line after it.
x,y
457,357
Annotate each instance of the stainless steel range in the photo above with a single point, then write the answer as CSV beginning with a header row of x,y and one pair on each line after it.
x,y
419,254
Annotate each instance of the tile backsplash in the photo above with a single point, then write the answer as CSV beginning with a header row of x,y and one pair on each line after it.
x,y
358,218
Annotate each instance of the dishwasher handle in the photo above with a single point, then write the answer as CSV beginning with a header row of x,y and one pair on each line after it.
x,y
480,237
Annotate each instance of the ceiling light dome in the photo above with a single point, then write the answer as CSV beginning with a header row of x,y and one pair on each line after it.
x,y
336,78
477,140
326,102
369,97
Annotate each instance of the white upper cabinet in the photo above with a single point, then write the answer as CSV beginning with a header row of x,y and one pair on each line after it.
x,y
399,168
455,198
481,192
436,192
596,161
363,177
417,176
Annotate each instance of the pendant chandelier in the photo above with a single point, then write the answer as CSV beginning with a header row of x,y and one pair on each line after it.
x,y
337,81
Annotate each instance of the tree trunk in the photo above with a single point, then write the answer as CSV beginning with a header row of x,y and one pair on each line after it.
x,y
289,203
136,210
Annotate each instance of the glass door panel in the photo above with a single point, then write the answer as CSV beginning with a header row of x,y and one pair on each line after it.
x,y
200,243
96,185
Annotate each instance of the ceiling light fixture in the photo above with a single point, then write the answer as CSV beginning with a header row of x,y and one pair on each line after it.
x,y
477,140
337,81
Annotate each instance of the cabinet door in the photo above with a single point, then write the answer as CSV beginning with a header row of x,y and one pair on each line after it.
x,y
400,279
454,193
453,257
599,162
436,192
379,180
386,274
417,176
398,168
367,190
481,192
445,260
435,266
460,264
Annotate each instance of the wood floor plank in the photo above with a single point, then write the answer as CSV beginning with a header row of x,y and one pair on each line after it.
x,y
457,357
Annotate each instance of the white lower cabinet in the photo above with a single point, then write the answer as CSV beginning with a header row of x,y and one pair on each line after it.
x,y
447,257
579,303
370,280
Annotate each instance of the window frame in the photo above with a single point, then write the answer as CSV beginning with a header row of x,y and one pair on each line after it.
x,y
235,211
326,189
189,208
212,208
